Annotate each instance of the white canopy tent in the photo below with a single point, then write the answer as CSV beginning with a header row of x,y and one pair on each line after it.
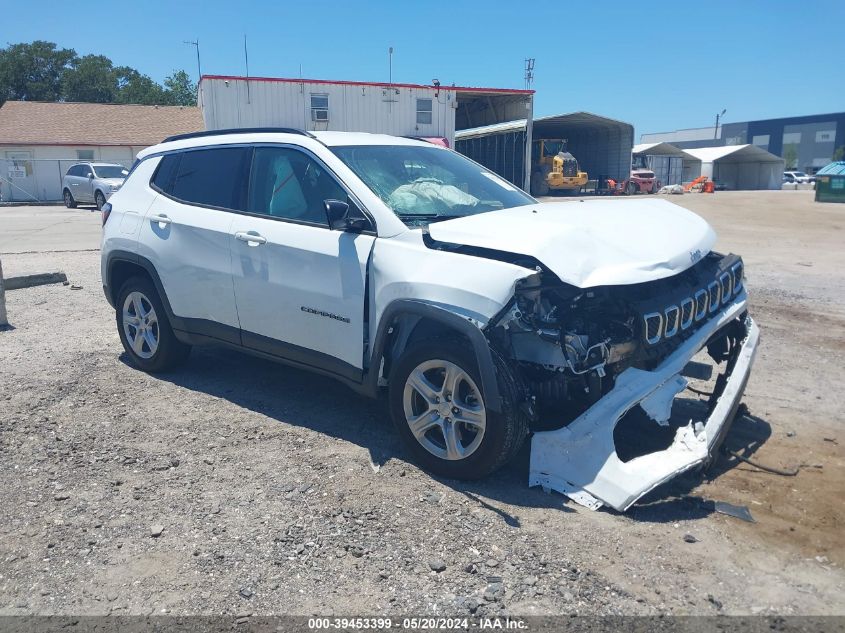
x,y
739,166
671,165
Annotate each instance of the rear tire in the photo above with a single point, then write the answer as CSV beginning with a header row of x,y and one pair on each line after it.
x,y
100,200
481,440
144,328
70,203
632,188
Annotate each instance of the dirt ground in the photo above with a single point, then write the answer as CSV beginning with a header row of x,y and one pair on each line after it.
x,y
279,492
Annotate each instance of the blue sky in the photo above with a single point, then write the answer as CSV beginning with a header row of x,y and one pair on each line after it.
x,y
658,65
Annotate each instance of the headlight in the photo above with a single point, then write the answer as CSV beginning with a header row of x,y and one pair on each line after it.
x,y
114,187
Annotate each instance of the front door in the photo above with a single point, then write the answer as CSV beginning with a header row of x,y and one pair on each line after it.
x,y
86,184
299,286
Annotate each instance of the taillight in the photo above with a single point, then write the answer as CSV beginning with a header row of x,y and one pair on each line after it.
x,y
106,212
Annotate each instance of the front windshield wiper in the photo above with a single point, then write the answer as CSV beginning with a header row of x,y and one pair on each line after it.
x,y
428,217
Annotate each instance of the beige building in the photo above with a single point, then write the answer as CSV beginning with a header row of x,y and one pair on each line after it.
x,y
40,141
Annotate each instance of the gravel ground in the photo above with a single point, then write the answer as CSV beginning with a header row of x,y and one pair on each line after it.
x,y
239,486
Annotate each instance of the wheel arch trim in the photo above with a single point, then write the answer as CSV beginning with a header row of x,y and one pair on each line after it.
x,y
416,310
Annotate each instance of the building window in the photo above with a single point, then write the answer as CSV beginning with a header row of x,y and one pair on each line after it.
x,y
790,138
733,140
761,140
424,111
85,154
319,107
825,136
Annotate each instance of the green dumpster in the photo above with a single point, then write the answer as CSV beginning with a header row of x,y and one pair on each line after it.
x,y
830,183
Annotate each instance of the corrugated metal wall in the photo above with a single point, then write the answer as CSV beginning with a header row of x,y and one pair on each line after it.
x,y
503,153
669,170
237,103
600,152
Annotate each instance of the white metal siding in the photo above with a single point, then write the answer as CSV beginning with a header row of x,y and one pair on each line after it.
x,y
238,103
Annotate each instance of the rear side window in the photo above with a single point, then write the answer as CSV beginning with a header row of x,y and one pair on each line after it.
x,y
211,177
165,173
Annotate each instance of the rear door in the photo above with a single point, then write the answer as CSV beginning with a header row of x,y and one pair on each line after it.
x,y
299,286
75,178
186,234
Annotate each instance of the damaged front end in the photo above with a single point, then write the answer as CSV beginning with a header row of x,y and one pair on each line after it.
x,y
592,358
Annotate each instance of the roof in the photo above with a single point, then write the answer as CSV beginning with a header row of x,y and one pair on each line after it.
x,y
332,139
734,154
466,89
549,126
833,169
41,123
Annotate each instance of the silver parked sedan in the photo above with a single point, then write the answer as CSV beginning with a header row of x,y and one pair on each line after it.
x,y
92,182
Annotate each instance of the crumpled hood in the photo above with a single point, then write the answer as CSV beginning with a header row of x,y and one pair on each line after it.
x,y
591,243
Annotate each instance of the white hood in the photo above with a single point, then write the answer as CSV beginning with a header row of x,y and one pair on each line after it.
x,y
591,243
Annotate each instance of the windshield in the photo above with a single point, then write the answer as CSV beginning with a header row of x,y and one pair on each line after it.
x,y
800,174
427,184
110,171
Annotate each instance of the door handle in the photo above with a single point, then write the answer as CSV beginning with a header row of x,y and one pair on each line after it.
x,y
253,239
162,220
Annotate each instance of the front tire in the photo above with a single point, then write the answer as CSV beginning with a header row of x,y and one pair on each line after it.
x,y
70,203
632,188
100,200
145,330
438,406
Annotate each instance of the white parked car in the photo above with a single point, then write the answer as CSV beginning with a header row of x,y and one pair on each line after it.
x,y
403,268
799,177
92,182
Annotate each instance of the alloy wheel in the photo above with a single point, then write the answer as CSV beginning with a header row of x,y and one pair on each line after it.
x,y
444,409
140,325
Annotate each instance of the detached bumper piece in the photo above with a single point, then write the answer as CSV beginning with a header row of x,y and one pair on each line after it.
x,y
580,460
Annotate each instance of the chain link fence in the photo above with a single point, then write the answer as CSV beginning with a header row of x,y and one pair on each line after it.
x,y
35,180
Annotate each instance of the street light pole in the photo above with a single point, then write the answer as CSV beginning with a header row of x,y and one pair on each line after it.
x,y
718,116
196,44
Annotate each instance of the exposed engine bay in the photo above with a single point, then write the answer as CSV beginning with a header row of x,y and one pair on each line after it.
x,y
572,343
598,359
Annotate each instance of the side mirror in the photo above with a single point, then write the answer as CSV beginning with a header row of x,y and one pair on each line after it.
x,y
345,217
90,175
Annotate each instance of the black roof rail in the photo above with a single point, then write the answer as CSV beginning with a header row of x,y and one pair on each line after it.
x,y
242,130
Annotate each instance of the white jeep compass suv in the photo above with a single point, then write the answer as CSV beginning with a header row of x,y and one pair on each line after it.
x,y
398,266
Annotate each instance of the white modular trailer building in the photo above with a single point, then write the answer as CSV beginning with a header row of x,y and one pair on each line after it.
x,y
354,106
744,167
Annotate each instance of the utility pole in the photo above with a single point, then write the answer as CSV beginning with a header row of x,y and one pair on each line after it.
x,y
246,61
196,44
4,321
718,116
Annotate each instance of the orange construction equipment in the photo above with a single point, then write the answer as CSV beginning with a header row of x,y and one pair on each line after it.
x,y
709,187
698,181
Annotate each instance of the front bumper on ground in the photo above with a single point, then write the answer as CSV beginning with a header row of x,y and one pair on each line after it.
x,y
580,460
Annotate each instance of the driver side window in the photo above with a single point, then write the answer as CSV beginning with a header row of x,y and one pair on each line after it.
x,y
287,183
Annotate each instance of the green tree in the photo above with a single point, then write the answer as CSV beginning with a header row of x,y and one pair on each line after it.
x,y
91,79
790,155
839,154
180,90
33,72
133,87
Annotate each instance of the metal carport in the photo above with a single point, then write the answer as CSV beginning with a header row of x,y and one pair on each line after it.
x,y
601,145
740,166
